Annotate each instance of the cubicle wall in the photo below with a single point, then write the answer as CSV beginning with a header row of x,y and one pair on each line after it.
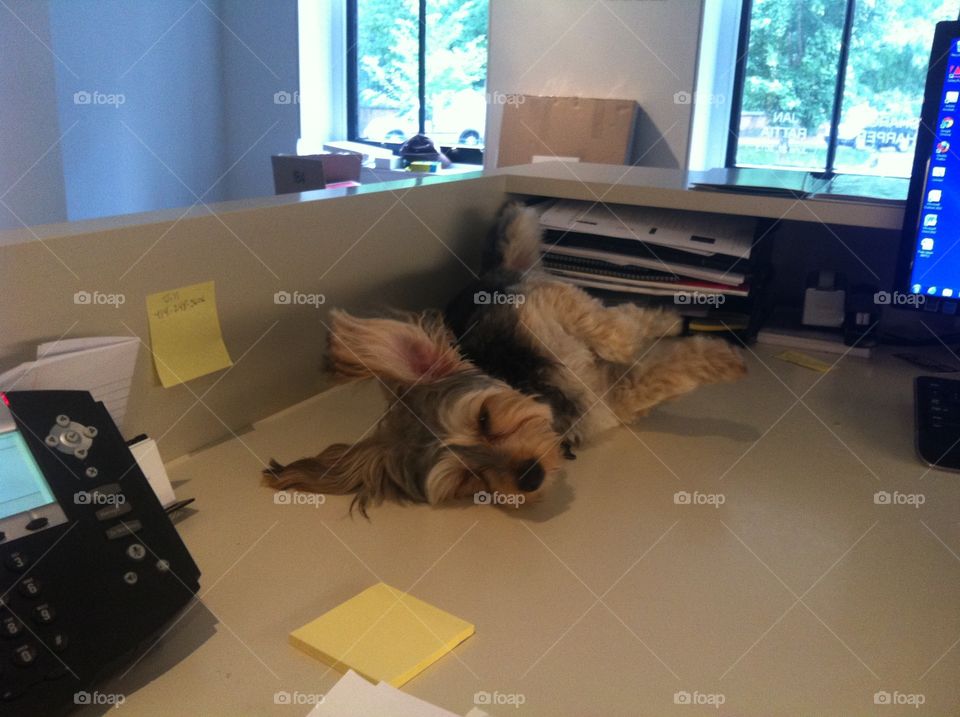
x,y
409,247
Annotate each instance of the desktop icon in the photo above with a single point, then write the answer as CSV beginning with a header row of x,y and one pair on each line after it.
x,y
951,97
934,196
916,289
926,244
946,123
943,147
939,172
956,47
947,293
953,73
932,290
930,220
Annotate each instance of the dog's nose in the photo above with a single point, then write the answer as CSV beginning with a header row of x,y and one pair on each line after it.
x,y
530,475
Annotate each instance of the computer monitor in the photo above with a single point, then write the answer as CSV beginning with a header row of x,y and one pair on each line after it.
x,y
929,265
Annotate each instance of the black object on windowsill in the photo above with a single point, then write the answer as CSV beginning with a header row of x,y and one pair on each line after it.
x,y
421,148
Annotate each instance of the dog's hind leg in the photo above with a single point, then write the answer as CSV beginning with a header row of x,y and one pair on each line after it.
x,y
615,333
675,368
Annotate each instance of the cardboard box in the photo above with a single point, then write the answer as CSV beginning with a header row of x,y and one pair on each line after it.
x,y
591,130
302,173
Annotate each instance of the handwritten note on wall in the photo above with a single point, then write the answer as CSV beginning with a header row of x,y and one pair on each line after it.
x,y
185,334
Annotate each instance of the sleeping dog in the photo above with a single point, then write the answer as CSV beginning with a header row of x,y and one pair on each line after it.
x,y
492,396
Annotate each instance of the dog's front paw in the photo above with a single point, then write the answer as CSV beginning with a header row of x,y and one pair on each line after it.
x,y
617,347
717,361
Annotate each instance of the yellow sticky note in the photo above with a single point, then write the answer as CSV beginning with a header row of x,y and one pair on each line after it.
x,y
383,634
800,359
185,333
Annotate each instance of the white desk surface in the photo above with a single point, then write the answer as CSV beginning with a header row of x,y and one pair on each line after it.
x,y
799,595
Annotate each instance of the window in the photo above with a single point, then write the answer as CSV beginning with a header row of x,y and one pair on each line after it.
x,y
417,66
832,85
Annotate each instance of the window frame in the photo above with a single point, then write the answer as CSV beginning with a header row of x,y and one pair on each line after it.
x,y
740,78
463,155
740,71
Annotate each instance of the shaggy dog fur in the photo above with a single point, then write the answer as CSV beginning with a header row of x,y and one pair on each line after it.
x,y
492,396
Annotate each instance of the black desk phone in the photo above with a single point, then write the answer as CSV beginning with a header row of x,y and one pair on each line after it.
x,y
90,565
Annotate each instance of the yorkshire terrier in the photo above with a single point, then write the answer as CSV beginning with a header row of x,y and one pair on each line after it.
x,y
521,369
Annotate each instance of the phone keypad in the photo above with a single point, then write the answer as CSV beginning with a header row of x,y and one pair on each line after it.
x,y
31,644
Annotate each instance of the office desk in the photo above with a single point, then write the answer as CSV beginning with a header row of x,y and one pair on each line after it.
x,y
797,595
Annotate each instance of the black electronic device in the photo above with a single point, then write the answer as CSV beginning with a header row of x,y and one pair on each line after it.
x,y
928,274
937,402
90,565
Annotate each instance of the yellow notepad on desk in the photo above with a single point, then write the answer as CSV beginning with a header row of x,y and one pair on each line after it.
x,y
383,634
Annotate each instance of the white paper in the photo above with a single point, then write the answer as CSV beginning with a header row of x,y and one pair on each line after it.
x,y
657,288
66,346
101,365
732,235
148,458
353,696
17,378
694,272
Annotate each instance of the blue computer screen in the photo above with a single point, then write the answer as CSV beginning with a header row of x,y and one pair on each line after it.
x,y
22,485
936,259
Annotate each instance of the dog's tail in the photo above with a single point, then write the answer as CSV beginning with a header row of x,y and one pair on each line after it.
x,y
518,238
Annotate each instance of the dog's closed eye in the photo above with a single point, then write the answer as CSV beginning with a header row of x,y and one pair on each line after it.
x,y
483,421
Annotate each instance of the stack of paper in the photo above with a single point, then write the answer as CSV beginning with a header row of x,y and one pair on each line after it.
x,y
102,365
388,637
382,633
647,251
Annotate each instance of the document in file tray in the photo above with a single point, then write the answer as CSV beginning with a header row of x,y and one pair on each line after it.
x,y
694,232
731,278
102,365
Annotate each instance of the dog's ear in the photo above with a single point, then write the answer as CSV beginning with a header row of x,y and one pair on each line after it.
x,y
417,350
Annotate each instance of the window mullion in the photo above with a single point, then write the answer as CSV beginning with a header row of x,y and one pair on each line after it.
x,y
739,77
422,68
838,91
353,131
